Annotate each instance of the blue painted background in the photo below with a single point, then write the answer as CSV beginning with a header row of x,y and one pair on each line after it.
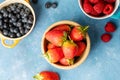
x,y
25,60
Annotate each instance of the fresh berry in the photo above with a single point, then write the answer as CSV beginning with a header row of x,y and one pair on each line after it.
x,y
51,46
85,1
66,62
106,37
110,27
48,4
87,7
47,75
69,49
94,1
99,7
78,33
110,1
94,13
56,37
54,5
34,1
108,9
54,55
63,27
81,48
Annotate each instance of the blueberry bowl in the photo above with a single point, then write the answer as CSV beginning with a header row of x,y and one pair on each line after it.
x,y
17,20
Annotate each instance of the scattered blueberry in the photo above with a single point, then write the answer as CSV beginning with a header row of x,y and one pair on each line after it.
x,y
48,4
54,5
5,32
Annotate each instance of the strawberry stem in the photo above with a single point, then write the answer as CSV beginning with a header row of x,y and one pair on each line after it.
x,y
85,29
38,77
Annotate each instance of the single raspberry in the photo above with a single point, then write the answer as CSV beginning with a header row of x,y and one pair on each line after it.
x,y
94,1
110,27
94,13
110,1
106,37
99,7
87,7
108,9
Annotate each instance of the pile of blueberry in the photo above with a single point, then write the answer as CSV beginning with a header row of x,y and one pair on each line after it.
x,y
15,20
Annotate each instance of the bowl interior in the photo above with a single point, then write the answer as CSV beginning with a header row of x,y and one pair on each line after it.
x,y
78,60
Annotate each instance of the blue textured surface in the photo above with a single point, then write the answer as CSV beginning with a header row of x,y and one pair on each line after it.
x,y
25,60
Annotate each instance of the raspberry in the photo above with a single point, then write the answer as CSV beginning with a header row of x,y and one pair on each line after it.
x,y
110,1
86,1
106,37
108,9
87,7
94,13
110,27
99,7
94,1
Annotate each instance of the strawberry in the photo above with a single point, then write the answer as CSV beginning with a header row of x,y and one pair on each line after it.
x,y
54,55
50,46
110,27
94,1
78,33
87,7
99,7
106,37
47,75
56,37
108,9
81,48
63,27
69,49
66,62
110,1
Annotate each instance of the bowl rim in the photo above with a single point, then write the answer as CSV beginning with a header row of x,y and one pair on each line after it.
x,y
85,54
102,17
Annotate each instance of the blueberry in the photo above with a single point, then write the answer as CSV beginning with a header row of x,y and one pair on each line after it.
x,y
27,26
13,18
14,23
35,1
10,15
11,29
30,21
2,10
22,12
13,7
18,35
12,35
22,31
48,4
20,27
19,24
17,10
5,26
1,16
18,16
9,9
16,30
1,27
24,20
5,14
10,25
5,32
27,10
26,30
20,5
54,5
10,21
6,20
1,22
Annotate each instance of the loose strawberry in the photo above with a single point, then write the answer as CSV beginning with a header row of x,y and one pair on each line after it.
x,y
63,27
110,27
54,55
87,7
47,75
81,48
106,37
99,7
108,9
78,33
56,37
94,1
110,1
51,46
69,49
67,62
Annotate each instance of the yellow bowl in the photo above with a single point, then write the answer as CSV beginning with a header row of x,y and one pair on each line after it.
x,y
16,40
80,60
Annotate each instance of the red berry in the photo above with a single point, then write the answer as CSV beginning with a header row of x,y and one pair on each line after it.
x,y
94,1
110,27
110,1
106,37
86,1
108,9
51,46
67,62
94,13
99,7
87,7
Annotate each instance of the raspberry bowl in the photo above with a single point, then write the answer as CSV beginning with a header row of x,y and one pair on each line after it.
x,y
51,53
98,9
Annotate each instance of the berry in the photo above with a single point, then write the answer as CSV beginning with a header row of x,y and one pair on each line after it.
x,y
47,75
48,4
99,7
108,9
110,27
86,1
106,37
54,5
94,1
51,46
66,62
87,7
94,13
110,1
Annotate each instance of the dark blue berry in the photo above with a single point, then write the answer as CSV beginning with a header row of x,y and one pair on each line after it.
x,y
48,4
54,5
5,32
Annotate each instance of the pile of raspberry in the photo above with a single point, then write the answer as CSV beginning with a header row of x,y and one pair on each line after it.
x,y
98,7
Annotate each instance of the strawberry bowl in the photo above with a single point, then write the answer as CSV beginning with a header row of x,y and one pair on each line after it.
x,y
62,47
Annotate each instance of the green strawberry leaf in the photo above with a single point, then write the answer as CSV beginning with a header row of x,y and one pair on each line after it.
x,y
38,77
